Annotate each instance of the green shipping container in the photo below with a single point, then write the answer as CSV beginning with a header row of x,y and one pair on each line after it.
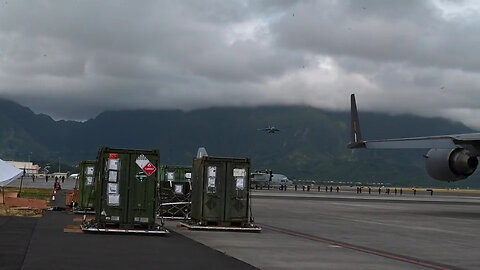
x,y
126,188
175,188
86,185
221,191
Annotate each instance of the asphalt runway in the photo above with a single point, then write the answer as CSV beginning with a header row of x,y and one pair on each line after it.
x,y
355,231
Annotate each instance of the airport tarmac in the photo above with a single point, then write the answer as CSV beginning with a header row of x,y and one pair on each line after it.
x,y
354,231
301,230
40,182
41,243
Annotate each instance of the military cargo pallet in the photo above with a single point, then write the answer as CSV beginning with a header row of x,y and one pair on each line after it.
x,y
221,191
174,191
126,183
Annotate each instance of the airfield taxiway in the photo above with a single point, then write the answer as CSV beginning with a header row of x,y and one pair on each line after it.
x,y
301,230
315,230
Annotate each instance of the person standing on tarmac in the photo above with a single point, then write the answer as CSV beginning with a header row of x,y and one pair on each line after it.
x,y
56,185
63,179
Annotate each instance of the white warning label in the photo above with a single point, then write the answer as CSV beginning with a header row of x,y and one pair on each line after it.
x,y
239,172
145,164
142,161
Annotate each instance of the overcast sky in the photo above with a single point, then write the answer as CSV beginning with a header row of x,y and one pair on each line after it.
x,y
74,59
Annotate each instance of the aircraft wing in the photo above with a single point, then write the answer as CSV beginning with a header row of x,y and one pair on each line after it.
x,y
419,142
446,141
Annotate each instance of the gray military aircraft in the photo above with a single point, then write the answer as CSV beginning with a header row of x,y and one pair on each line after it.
x,y
271,129
450,158
261,179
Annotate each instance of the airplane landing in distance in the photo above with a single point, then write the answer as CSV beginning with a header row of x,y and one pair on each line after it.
x,y
450,158
270,129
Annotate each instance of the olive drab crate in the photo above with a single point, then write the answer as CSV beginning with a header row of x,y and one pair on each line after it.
x,y
221,191
126,188
86,184
174,190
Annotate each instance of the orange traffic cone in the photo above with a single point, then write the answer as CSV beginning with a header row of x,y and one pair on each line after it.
x,y
53,194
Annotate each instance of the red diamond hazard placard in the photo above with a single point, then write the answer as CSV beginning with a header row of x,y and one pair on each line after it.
x,y
149,169
145,164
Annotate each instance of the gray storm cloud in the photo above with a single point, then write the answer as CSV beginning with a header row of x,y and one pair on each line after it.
x,y
73,60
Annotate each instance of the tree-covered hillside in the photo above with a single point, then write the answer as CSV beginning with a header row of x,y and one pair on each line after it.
x,y
311,143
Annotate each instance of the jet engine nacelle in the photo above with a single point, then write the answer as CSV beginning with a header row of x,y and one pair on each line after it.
x,y
450,164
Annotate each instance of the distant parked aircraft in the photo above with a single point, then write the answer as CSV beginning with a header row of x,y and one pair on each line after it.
x,y
261,179
271,129
450,158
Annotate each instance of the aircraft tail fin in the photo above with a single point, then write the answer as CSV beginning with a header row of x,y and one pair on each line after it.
x,y
202,152
356,140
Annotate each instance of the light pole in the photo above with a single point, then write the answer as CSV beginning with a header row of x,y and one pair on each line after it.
x,y
21,183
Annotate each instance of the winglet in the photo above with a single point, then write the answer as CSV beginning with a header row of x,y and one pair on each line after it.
x,y
356,140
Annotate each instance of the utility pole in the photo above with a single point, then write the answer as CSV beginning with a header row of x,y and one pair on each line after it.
x,y
59,170
21,183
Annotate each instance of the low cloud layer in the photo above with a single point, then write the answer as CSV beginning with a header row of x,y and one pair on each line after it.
x,y
73,60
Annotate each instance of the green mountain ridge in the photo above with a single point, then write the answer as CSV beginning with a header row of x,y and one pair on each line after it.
x,y
311,143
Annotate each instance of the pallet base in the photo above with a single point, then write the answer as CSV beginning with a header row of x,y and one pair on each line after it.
x,y
117,230
89,212
173,218
252,228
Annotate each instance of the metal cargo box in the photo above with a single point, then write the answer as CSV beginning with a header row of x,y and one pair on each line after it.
x,y
221,191
126,188
86,185
175,188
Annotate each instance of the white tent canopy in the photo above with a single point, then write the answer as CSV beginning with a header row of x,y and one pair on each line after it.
x,y
8,173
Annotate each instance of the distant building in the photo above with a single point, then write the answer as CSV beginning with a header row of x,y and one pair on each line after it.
x,y
29,167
